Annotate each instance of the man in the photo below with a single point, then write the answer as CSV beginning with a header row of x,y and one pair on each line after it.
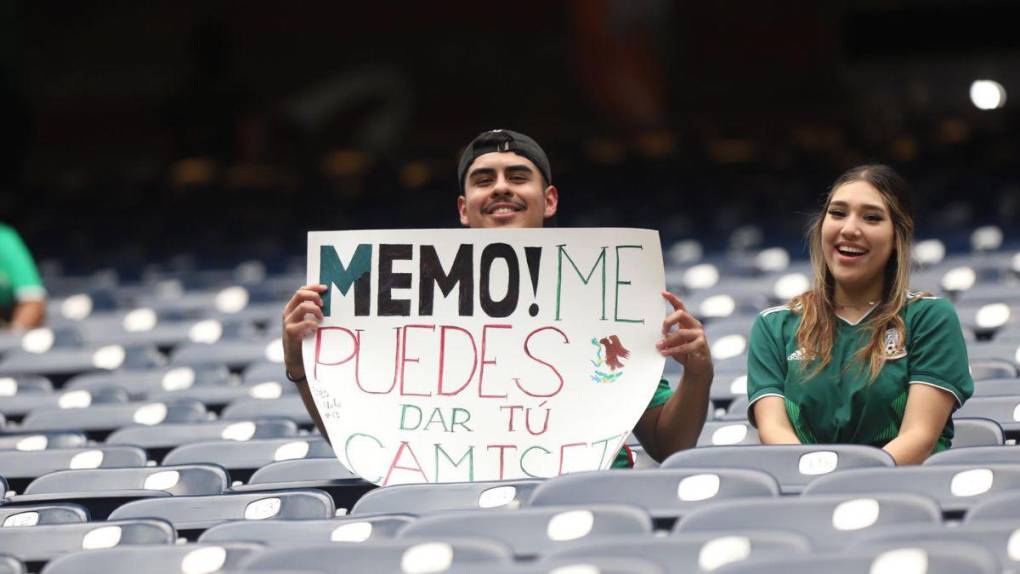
x,y
506,181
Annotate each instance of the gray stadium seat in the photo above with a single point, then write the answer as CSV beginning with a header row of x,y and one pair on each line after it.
x,y
994,536
41,441
692,552
326,474
289,406
955,487
177,559
75,361
104,418
535,531
976,456
23,403
141,384
421,498
290,533
424,555
247,456
167,435
27,466
580,565
233,353
736,411
1005,506
114,486
975,431
201,512
947,559
793,466
43,543
1003,410
664,493
725,433
42,514
12,386
301,469
997,387
981,369
728,386
829,522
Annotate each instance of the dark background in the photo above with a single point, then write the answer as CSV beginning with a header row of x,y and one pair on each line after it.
x,y
138,131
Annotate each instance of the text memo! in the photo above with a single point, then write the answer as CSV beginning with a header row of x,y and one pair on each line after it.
x,y
466,355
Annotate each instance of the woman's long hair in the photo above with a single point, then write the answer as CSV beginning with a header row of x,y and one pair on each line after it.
x,y
816,333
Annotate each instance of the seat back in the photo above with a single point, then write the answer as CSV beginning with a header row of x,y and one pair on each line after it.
x,y
535,531
422,498
829,522
793,466
662,492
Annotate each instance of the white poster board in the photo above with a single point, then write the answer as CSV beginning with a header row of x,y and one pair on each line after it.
x,y
473,354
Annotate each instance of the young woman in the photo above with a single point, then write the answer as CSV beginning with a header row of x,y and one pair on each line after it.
x,y
860,358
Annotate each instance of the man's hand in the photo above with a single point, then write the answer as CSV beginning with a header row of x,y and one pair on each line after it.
x,y
301,317
687,343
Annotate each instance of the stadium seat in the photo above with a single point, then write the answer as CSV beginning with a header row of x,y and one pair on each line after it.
x,y
793,466
44,543
109,417
723,433
297,532
325,474
691,552
728,386
242,458
289,406
200,512
994,536
997,387
1005,506
23,403
664,493
829,522
535,531
41,441
102,490
236,354
21,467
976,456
1003,410
991,368
955,487
24,384
177,559
428,555
975,431
42,514
170,435
63,362
422,498
142,384
957,558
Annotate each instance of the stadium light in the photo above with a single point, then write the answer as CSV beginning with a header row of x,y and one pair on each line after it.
x,y
987,94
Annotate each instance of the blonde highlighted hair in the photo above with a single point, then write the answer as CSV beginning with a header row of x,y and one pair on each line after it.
x,y
816,333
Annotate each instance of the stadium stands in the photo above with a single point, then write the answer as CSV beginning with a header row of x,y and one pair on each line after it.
x,y
134,428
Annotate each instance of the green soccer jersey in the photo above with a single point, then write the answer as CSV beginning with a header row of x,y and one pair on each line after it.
x,y
19,280
662,394
841,404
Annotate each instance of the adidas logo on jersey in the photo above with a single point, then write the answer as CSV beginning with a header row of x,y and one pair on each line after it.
x,y
797,355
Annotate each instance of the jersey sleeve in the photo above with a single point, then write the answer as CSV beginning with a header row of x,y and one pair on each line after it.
x,y
766,364
937,351
662,394
20,267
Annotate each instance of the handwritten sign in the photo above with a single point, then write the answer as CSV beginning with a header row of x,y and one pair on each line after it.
x,y
465,355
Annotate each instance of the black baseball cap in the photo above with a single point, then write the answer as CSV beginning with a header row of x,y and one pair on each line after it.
x,y
503,141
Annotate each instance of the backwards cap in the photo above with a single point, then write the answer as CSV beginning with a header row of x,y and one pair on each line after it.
x,y
503,141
